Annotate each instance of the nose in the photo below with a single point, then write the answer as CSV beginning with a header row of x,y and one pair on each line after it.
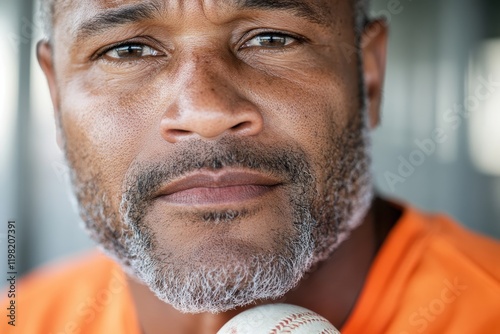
x,y
209,106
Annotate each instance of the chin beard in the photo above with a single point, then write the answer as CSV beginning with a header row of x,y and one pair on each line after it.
x,y
229,274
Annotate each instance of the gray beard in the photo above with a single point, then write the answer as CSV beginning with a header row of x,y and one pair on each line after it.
x,y
321,222
241,275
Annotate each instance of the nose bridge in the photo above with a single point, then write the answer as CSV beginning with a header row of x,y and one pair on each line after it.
x,y
208,103
207,84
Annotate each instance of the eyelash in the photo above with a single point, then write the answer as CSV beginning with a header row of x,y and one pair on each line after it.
x,y
276,34
131,43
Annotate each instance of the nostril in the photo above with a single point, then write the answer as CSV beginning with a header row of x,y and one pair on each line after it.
x,y
247,128
210,122
177,132
241,126
173,135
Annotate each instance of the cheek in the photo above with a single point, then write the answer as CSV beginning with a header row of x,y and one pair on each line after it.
x,y
313,108
104,131
315,114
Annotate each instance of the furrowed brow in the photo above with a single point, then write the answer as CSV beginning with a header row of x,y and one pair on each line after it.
x,y
117,17
149,10
298,7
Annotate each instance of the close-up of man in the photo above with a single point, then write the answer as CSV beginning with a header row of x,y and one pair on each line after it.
x,y
220,153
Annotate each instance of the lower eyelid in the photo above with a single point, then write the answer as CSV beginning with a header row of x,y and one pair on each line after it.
x,y
131,64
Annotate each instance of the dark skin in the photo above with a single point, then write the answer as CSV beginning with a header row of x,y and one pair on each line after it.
x,y
221,80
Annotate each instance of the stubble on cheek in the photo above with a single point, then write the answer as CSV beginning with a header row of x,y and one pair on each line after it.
x,y
95,174
102,132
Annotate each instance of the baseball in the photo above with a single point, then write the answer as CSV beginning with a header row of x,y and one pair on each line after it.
x,y
278,319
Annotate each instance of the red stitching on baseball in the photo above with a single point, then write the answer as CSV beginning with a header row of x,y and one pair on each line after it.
x,y
294,321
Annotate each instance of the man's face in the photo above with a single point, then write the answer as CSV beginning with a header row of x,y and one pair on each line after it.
x,y
217,148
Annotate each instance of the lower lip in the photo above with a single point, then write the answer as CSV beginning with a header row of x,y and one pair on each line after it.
x,y
219,195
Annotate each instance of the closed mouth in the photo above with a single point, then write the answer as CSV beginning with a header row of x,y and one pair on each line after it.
x,y
226,186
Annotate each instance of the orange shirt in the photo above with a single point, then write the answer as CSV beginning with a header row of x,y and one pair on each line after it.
x,y
430,276
86,295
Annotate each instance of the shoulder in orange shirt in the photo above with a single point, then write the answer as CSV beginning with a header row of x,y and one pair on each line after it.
x,y
431,276
84,295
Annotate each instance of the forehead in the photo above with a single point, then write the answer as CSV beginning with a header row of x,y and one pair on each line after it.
x,y
103,4
319,11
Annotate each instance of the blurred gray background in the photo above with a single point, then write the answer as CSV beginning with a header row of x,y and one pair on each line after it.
x,y
438,147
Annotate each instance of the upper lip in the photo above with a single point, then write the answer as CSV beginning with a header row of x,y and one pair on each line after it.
x,y
217,179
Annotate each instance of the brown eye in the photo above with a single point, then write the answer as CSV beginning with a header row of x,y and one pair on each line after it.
x,y
270,40
131,51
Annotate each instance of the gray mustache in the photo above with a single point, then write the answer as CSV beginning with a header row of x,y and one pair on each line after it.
x,y
289,164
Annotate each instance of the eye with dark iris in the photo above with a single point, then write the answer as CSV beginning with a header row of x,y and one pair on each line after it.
x,y
131,51
270,40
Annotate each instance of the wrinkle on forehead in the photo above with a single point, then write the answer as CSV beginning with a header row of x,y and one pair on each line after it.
x,y
318,11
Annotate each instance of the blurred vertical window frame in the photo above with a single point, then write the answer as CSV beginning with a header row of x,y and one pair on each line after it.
x,y
483,106
8,83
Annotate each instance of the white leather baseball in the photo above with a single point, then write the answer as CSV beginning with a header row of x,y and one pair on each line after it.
x,y
278,319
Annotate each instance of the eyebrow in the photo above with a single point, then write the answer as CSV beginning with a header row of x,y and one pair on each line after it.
x,y
298,7
116,17
151,9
